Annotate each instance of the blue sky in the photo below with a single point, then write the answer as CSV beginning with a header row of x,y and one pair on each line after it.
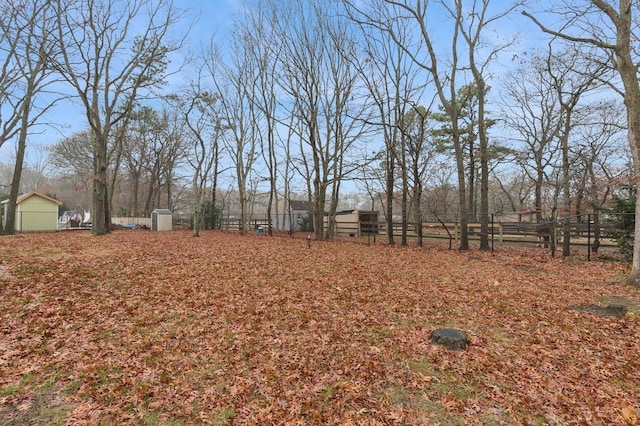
x,y
203,18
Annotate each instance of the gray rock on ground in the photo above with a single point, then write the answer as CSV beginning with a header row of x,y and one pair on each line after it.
x,y
450,338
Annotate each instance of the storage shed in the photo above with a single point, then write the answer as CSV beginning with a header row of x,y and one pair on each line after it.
x,y
161,220
355,222
34,213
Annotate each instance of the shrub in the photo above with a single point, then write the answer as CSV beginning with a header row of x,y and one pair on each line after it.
x,y
622,216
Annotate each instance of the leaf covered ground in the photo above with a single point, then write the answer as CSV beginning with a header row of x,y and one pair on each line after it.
x,y
140,327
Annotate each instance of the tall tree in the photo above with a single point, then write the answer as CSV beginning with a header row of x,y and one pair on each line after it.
x,y
346,118
473,22
71,158
263,51
394,84
611,28
533,114
233,81
26,40
112,54
571,77
199,111
444,80
467,103
319,79
420,155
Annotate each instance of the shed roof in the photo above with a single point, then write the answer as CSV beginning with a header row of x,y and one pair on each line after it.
x,y
28,195
301,205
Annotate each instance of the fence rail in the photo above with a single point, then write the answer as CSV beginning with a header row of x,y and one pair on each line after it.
x,y
584,230
504,233
235,224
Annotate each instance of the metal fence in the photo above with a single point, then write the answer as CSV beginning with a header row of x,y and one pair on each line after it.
x,y
589,233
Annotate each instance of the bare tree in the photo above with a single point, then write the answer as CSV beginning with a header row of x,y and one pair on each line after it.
x,y
233,81
263,50
532,113
600,154
444,80
346,119
391,79
419,156
199,110
571,77
112,54
319,78
514,193
473,24
26,40
303,44
611,28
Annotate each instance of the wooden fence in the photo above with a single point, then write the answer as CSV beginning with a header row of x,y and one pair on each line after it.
x,y
509,233
255,225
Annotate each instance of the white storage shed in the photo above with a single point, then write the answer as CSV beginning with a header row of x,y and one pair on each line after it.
x,y
161,220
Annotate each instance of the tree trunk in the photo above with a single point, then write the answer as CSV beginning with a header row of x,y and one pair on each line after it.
x,y
417,208
389,170
634,140
10,226
100,214
484,171
566,189
628,73
196,212
405,190
319,198
462,202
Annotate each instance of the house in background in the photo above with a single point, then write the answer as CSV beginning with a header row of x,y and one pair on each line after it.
x,y
34,212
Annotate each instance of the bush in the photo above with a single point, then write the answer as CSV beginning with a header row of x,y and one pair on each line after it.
x,y
622,216
211,215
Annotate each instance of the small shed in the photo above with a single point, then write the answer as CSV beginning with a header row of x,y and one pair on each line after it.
x,y
355,222
35,212
301,215
161,220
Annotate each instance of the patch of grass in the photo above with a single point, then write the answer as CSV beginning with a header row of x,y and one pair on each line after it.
x,y
444,382
402,273
423,367
445,324
402,397
498,335
28,270
632,305
224,416
326,394
17,387
45,410
154,418
503,308
72,387
44,406
9,390
378,333
445,279
83,274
